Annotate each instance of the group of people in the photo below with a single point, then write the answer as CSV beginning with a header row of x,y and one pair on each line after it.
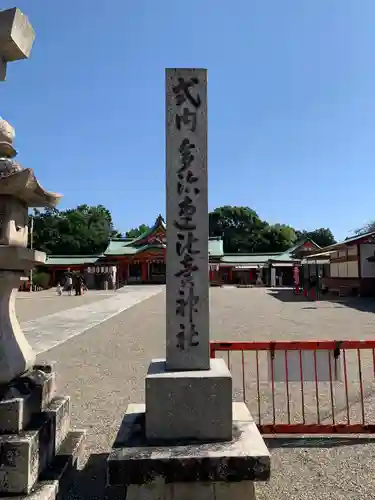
x,y
75,282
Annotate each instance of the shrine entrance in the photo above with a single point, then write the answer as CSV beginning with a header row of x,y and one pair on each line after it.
x,y
157,272
134,272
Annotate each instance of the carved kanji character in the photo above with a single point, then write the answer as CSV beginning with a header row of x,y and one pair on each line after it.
x,y
187,118
182,92
185,244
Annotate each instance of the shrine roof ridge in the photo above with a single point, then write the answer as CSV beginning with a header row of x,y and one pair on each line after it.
x,y
353,239
66,260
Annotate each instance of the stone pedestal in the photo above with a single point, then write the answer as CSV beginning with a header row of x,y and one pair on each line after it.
x,y
37,445
225,470
188,404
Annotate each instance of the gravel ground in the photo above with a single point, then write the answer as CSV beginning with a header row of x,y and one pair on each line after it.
x,y
37,304
104,368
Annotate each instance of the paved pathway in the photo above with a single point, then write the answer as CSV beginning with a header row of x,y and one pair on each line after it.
x,y
46,332
103,370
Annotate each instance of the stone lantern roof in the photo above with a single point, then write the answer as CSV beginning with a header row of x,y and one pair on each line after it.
x,y
17,181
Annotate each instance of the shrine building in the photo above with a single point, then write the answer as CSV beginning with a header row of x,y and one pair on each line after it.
x,y
142,260
351,265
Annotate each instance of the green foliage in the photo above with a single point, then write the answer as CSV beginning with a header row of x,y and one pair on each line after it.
x,y
79,231
41,279
137,231
322,236
243,231
86,230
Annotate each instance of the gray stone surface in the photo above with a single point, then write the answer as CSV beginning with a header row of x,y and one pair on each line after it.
x,y
133,461
14,217
16,35
16,355
56,480
28,453
7,136
188,405
187,307
59,412
16,38
25,397
186,491
19,258
12,415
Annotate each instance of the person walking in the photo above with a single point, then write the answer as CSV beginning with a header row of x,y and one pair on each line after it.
x,y
77,285
69,284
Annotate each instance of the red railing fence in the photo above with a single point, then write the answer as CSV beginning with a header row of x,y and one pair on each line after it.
x,y
305,387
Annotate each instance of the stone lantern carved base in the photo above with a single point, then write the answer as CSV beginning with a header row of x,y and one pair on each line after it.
x,y
16,355
37,446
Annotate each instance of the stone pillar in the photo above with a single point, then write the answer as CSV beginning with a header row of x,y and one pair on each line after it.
x,y
181,444
187,313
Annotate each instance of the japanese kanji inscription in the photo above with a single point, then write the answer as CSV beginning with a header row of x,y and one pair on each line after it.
x,y
187,220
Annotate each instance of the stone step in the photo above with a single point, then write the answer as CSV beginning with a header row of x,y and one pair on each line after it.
x,y
25,455
56,479
25,397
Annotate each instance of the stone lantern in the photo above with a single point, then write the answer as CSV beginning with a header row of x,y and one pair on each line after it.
x,y
19,190
38,448
34,422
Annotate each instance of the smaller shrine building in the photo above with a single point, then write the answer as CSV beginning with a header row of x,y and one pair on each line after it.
x,y
351,265
142,260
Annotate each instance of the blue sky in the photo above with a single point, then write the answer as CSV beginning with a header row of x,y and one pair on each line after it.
x,y
291,104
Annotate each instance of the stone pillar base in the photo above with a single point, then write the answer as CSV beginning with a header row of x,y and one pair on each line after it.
x,y
37,446
188,491
185,404
190,470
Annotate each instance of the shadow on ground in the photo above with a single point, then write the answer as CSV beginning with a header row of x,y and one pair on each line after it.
x,y
363,304
90,482
288,295
317,441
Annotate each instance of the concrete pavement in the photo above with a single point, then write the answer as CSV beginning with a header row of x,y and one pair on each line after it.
x,y
103,370
46,332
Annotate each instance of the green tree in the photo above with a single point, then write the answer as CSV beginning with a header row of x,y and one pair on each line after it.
x,y
278,238
322,236
137,231
285,236
82,230
240,227
46,230
242,230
